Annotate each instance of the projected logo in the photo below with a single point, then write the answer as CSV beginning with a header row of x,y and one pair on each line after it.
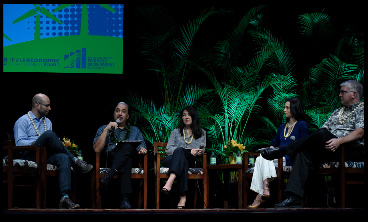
x,y
77,59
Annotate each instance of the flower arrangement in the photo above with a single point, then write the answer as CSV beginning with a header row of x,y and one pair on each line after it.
x,y
70,145
232,148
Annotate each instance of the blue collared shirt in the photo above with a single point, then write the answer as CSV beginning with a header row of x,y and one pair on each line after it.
x,y
24,132
135,134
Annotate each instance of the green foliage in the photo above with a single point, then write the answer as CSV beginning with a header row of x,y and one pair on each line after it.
x,y
250,71
319,94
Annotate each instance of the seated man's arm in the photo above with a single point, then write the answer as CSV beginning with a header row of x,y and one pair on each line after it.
x,y
333,144
20,134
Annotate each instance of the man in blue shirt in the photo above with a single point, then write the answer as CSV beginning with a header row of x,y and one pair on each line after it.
x,y
119,157
34,128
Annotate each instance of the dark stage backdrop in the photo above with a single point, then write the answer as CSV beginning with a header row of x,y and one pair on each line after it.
x,y
82,102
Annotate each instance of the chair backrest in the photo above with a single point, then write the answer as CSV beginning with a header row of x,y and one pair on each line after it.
x,y
160,147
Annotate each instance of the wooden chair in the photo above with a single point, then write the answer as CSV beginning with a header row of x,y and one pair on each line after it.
x,y
45,169
341,171
159,152
137,173
21,171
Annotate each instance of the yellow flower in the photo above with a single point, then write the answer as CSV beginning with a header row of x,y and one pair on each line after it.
x,y
74,145
67,144
241,147
233,142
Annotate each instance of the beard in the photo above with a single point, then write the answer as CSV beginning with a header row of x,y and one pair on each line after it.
x,y
43,112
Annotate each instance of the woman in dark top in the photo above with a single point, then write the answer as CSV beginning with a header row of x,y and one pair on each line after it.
x,y
264,170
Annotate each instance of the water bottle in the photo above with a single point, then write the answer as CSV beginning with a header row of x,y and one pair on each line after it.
x,y
238,158
213,159
80,156
251,160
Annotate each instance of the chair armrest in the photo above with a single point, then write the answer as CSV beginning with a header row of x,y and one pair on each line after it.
x,y
98,162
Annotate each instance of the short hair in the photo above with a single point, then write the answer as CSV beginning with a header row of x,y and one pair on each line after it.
x,y
129,113
354,86
36,99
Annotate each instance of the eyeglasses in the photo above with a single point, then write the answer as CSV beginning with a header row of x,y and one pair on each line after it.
x,y
47,105
343,92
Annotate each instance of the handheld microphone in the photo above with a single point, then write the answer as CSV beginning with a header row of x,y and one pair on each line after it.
x,y
118,121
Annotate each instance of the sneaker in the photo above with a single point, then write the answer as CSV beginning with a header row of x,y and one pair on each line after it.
x,y
82,166
124,204
66,203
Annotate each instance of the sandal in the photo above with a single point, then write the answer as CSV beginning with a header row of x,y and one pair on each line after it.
x,y
180,207
257,206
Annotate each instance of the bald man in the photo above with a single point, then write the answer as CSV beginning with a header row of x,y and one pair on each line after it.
x,y
35,128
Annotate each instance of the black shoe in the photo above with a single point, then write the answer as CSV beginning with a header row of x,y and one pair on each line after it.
x,y
165,191
66,203
82,166
105,182
273,153
124,204
290,202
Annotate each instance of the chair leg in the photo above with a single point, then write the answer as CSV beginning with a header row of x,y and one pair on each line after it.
x,y
93,189
195,195
38,192
10,191
145,193
157,193
98,195
140,187
205,193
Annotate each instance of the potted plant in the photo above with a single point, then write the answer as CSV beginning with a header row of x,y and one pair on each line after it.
x,y
231,149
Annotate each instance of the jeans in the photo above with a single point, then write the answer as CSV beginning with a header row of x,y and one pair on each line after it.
x,y
57,154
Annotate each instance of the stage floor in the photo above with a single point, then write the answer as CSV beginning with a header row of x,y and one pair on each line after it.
x,y
182,211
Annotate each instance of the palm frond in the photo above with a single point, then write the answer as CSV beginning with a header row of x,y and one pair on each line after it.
x,y
230,49
188,32
317,27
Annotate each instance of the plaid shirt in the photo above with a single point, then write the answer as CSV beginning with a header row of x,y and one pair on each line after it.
x,y
353,122
135,134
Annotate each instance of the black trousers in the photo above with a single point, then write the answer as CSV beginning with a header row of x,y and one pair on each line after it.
x,y
309,151
179,163
123,159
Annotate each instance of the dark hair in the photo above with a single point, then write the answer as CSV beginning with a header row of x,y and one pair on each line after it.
x,y
195,126
296,110
129,112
